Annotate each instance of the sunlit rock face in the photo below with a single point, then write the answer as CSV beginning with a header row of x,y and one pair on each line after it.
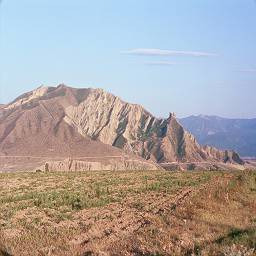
x,y
69,123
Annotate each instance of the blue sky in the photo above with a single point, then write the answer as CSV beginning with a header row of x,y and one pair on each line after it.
x,y
188,57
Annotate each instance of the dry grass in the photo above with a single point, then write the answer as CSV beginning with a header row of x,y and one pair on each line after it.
x,y
128,213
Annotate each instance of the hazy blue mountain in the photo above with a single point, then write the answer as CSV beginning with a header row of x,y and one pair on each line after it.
x,y
224,133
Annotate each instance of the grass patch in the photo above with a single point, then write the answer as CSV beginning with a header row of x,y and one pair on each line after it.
x,y
246,237
41,209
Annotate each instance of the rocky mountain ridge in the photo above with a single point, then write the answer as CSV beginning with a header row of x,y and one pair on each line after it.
x,y
67,122
107,118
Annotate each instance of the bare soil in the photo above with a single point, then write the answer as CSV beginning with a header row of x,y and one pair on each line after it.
x,y
128,213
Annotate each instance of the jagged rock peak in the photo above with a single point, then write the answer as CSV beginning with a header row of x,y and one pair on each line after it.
x,y
102,116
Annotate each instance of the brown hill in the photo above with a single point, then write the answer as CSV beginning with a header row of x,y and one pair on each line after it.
x,y
94,127
33,131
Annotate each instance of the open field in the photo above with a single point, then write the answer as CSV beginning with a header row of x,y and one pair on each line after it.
x,y
128,213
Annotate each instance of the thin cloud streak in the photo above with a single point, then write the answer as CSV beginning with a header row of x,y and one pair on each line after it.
x,y
161,63
248,70
160,52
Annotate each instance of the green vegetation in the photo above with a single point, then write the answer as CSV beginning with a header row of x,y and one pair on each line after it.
x,y
70,192
47,213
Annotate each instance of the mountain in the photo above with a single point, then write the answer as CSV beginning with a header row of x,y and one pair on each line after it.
x,y
224,133
33,132
68,128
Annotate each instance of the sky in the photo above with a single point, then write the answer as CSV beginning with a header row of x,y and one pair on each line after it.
x,y
188,57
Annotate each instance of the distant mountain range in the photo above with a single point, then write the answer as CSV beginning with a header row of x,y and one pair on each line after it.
x,y
224,133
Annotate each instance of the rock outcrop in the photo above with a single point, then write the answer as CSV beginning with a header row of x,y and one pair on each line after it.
x,y
107,118
111,165
64,122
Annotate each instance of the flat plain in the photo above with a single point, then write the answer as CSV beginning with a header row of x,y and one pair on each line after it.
x,y
128,213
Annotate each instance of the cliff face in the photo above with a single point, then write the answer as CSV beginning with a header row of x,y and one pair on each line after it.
x,y
68,122
105,117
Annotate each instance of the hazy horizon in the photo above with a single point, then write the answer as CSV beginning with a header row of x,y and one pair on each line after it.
x,y
191,58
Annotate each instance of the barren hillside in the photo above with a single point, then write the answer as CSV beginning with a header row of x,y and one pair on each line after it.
x,y
63,122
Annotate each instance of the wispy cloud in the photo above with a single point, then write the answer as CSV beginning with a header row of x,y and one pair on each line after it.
x,y
160,52
161,63
248,70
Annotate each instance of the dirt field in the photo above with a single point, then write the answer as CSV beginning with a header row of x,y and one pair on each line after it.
x,y
128,213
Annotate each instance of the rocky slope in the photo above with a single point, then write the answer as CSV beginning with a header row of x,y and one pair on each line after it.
x,y
64,122
107,118
33,132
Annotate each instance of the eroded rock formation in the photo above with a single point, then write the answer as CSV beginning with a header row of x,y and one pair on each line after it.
x,y
66,122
